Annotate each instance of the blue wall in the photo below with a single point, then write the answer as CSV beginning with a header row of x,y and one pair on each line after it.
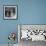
x,y
7,26
33,11
29,12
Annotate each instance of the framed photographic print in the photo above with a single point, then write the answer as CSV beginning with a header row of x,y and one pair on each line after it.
x,y
10,12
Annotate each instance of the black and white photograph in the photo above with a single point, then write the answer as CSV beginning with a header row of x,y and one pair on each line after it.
x,y
10,12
